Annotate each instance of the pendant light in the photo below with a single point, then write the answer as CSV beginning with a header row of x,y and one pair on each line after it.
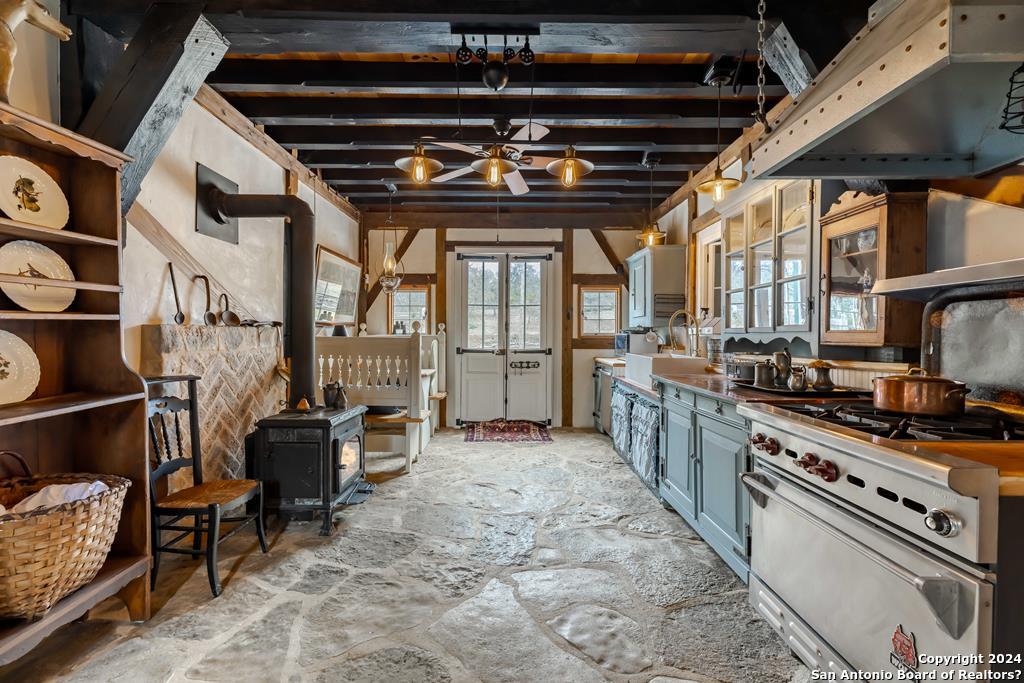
x,y
652,233
419,166
390,279
570,168
718,185
493,167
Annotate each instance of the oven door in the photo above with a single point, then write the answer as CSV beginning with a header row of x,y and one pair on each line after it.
x,y
873,598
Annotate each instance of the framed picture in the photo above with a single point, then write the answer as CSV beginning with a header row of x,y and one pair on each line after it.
x,y
338,279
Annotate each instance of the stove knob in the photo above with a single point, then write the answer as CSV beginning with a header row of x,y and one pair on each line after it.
x,y
809,460
826,469
944,523
757,439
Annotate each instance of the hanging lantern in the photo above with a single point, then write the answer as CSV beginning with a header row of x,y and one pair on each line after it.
x,y
718,185
570,168
419,166
390,279
652,234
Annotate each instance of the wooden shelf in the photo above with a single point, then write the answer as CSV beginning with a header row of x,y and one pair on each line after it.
x,y
64,284
18,637
32,315
863,252
51,406
41,234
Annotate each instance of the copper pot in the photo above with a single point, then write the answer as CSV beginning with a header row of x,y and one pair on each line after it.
x,y
917,393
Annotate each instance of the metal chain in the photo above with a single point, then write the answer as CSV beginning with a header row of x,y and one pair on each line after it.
x,y
760,115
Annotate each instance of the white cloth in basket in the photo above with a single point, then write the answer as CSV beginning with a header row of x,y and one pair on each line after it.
x,y
55,494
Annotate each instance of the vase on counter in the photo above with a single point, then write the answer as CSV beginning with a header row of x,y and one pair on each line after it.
x,y
783,361
797,378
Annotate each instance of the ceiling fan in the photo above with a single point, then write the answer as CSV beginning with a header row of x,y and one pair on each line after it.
x,y
502,160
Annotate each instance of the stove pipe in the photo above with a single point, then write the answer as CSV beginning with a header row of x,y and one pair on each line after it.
x,y
300,256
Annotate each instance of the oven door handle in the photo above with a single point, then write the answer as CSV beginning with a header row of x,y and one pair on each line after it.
x,y
945,596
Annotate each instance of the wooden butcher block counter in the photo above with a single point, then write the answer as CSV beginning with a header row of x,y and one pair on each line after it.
x,y
1007,456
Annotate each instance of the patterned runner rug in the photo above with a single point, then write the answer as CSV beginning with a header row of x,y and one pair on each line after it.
x,y
510,431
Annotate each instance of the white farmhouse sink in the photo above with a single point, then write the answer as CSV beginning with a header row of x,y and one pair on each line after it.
x,y
640,366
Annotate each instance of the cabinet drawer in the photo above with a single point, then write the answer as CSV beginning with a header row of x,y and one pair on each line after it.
x,y
682,397
723,410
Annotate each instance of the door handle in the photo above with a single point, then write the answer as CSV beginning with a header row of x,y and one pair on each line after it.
x,y
499,352
942,593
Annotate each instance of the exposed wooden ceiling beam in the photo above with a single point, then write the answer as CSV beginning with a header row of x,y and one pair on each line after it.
x,y
591,138
354,180
548,219
455,159
334,77
353,111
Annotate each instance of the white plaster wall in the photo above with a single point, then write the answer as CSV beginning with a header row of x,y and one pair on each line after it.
x,y
418,259
963,231
253,270
36,83
676,224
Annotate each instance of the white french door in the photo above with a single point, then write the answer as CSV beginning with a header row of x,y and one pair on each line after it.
x,y
506,352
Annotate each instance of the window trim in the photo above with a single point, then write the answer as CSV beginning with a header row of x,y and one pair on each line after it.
x,y
430,312
580,289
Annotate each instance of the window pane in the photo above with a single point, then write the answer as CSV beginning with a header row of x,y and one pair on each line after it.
x,y
532,282
516,327
491,283
794,302
736,271
608,301
591,326
476,326
761,264
761,312
796,205
474,282
516,282
761,220
793,248
608,326
591,299
490,327
736,311
400,299
532,327
734,232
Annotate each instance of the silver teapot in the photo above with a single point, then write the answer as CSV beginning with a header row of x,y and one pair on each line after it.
x,y
797,378
783,364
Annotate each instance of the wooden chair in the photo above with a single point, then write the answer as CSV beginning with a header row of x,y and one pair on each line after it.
x,y
203,501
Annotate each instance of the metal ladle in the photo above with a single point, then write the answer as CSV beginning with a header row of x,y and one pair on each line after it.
x,y
227,316
179,317
209,317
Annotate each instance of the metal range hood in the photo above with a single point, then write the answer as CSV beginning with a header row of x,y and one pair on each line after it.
x,y
927,286
918,93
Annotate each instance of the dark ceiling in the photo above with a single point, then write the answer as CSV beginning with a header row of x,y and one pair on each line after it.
x,y
351,86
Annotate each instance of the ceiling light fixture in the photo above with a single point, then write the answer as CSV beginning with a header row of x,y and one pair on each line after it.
x,y
652,234
493,167
718,185
390,278
570,168
419,166
495,73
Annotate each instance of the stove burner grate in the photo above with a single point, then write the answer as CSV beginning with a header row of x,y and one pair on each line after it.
x,y
979,424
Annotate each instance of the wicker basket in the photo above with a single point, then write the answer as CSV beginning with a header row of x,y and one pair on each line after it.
x,y
50,552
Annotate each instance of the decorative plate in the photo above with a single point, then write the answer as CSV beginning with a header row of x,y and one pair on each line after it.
x,y
30,195
31,259
19,369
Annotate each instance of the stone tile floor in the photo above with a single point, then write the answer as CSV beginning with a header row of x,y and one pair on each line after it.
x,y
490,562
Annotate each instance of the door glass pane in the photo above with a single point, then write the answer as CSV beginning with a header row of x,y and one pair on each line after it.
x,y
853,267
532,284
734,232
736,271
794,302
761,311
532,339
516,327
761,224
491,283
796,205
761,264
475,327
735,310
482,299
793,250
524,285
475,282
490,315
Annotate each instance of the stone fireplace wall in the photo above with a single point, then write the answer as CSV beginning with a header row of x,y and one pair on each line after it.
x,y
239,385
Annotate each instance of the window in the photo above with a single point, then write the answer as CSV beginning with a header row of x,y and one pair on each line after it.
x,y
411,303
482,303
524,304
599,311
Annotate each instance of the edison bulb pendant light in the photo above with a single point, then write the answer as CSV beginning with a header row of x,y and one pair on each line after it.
x,y
419,166
570,168
494,172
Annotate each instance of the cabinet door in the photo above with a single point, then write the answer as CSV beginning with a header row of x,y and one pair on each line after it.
x,y
638,291
678,486
294,470
722,504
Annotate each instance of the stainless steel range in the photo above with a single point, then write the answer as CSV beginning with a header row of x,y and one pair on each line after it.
x,y
883,542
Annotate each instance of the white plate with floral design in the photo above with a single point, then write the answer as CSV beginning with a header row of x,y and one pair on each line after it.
x,y
31,259
28,194
19,369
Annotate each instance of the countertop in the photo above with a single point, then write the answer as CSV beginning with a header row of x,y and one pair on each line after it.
x,y
638,388
612,362
720,386
1006,456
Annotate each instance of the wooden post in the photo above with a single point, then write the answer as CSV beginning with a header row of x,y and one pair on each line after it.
x,y
441,307
567,300
364,256
146,93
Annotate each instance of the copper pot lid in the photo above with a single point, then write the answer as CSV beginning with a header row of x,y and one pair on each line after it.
x,y
920,376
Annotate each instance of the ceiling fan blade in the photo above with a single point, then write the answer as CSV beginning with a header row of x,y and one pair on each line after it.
x,y
516,183
536,162
452,174
523,135
458,146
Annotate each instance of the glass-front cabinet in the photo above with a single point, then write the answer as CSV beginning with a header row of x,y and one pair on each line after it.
x,y
865,238
768,246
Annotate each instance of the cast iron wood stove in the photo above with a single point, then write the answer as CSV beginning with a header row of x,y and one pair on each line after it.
x,y
311,461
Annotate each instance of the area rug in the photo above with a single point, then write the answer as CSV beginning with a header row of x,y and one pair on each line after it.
x,y
507,431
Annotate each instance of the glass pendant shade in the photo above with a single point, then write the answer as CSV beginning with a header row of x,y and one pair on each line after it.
x,y
651,235
389,277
